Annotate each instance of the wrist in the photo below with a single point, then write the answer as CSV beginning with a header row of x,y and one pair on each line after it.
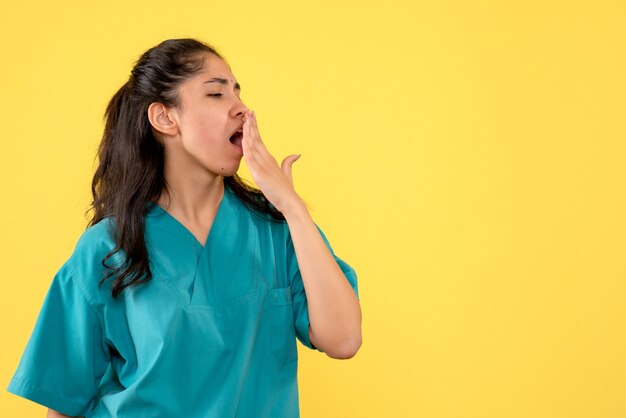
x,y
293,208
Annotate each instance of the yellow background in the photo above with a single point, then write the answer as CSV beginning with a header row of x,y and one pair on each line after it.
x,y
466,158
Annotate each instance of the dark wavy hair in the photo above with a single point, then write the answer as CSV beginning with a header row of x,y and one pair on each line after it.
x,y
131,161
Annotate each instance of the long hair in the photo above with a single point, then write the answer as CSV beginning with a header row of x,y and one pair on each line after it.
x,y
130,171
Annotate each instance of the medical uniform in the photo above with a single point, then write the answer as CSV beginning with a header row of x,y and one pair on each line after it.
x,y
213,334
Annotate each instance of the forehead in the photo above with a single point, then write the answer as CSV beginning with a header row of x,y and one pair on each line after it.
x,y
214,67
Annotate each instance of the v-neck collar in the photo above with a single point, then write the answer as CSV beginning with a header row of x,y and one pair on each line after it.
x,y
220,217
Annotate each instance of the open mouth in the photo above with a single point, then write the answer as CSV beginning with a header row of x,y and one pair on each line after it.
x,y
237,138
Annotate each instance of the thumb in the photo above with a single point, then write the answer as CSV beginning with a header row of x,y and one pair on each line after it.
x,y
287,162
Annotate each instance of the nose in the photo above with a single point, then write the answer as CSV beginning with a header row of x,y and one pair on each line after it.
x,y
239,109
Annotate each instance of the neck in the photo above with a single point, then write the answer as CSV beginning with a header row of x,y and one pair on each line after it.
x,y
194,197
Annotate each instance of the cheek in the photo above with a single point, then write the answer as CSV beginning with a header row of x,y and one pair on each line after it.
x,y
204,139
207,125
201,129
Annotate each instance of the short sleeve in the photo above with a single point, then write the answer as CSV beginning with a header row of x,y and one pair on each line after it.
x,y
300,306
65,357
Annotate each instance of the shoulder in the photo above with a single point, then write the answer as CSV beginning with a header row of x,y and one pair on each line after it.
x,y
96,241
85,262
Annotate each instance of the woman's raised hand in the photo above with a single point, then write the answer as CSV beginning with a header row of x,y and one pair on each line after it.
x,y
275,182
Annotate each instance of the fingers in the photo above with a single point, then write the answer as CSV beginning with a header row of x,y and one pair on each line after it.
x,y
287,165
254,148
249,132
253,129
245,144
263,166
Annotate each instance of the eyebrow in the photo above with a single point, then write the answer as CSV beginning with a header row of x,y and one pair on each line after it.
x,y
222,81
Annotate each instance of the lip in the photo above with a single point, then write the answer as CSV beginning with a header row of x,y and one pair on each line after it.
x,y
238,128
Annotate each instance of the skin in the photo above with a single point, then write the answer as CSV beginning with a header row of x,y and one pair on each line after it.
x,y
198,154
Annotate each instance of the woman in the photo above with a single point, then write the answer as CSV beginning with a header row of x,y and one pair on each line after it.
x,y
210,281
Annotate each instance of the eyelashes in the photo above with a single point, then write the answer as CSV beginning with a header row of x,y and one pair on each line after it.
x,y
220,94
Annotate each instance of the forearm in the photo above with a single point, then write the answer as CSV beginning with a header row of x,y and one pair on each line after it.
x,y
334,310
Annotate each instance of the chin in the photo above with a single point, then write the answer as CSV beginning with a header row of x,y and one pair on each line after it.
x,y
229,170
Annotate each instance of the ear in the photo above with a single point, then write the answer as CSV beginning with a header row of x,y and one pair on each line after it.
x,y
162,119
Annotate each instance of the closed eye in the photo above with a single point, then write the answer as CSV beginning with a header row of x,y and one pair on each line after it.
x,y
216,94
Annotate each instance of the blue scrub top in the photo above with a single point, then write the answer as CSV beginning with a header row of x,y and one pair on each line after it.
x,y
213,334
